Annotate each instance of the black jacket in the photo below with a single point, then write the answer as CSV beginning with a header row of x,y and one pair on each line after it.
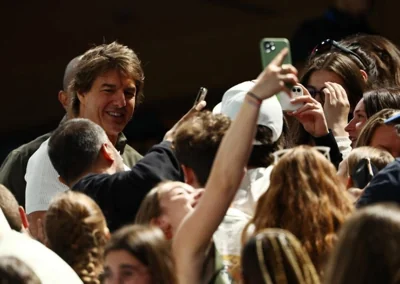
x,y
384,187
119,195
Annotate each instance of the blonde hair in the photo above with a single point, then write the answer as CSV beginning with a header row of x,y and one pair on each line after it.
x,y
76,230
379,158
149,246
150,207
373,123
305,197
280,259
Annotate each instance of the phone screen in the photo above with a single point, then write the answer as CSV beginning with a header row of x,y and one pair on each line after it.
x,y
201,95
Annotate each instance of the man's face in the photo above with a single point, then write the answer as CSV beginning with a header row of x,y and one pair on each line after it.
x,y
110,102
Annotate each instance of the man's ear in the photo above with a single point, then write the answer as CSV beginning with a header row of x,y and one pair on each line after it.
x,y
364,75
63,98
107,152
24,219
163,225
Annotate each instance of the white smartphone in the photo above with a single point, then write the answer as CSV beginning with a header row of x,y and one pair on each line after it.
x,y
284,98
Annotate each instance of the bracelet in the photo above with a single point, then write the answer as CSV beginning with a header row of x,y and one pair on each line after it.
x,y
253,102
259,101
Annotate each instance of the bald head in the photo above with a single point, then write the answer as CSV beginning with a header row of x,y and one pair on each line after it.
x,y
70,72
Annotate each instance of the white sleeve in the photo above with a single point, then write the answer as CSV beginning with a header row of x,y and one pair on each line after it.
x,y
42,182
344,144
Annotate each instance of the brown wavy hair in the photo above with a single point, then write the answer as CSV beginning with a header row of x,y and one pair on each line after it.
x,y
276,256
76,230
306,198
149,246
368,250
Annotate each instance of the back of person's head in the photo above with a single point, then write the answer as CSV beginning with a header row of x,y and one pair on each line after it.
x,y
302,180
368,250
70,72
373,123
10,208
76,230
197,140
276,256
74,148
141,245
379,99
270,123
15,271
344,66
378,159
381,56
100,59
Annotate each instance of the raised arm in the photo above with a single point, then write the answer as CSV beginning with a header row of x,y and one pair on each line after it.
x,y
195,232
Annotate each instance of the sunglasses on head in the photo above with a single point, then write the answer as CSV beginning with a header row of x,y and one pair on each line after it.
x,y
322,149
328,44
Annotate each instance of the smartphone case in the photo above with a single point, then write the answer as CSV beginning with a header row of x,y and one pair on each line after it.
x,y
270,47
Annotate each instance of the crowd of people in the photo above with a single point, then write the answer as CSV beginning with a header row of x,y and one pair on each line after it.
x,y
245,193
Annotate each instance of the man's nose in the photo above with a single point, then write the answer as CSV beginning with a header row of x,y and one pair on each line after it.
x,y
119,99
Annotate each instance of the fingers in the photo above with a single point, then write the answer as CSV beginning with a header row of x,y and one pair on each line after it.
x,y
200,106
278,60
305,99
306,107
288,68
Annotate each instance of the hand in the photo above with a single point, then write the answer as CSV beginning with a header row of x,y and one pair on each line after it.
x,y
356,192
336,108
310,115
275,78
169,136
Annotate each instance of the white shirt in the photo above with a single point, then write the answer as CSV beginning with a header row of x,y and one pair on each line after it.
x,y
255,182
42,182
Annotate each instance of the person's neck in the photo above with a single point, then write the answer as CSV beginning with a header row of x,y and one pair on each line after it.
x,y
113,138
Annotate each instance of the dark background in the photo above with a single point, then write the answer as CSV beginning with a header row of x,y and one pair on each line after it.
x,y
182,44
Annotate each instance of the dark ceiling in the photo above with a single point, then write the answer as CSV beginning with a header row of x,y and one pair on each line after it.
x,y
183,45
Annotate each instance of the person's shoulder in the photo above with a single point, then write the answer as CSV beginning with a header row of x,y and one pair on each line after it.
x,y
28,149
385,186
98,181
40,156
131,156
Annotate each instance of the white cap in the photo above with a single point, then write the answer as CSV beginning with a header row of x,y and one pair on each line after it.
x,y
47,265
271,114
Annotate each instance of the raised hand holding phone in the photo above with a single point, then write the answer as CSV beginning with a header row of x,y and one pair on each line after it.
x,y
201,96
275,78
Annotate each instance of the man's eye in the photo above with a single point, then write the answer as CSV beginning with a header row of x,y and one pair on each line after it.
x,y
129,94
